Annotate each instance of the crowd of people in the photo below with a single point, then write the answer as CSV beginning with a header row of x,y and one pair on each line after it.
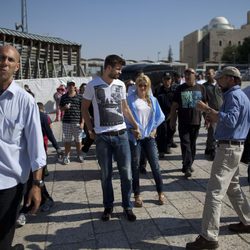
x,y
128,124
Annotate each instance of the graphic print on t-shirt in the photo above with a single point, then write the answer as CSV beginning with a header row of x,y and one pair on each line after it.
x,y
109,104
190,98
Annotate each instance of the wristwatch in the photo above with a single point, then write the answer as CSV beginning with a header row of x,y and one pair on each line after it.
x,y
39,183
208,111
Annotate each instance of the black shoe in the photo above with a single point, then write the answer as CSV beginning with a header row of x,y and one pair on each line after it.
x,y
202,243
107,214
129,215
188,173
168,151
161,155
207,151
18,247
212,155
143,170
239,228
174,145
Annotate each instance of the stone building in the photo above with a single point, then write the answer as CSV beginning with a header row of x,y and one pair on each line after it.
x,y
208,43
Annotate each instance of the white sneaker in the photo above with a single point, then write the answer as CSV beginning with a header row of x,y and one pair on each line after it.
x,y
80,158
21,220
66,160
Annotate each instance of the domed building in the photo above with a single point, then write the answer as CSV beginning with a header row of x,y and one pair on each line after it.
x,y
208,43
220,23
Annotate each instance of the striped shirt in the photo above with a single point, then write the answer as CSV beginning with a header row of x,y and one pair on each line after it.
x,y
73,114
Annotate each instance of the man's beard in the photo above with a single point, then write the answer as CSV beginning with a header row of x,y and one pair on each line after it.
x,y
113,76
224,90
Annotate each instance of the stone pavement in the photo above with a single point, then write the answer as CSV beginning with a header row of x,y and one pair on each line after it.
x,y
74,221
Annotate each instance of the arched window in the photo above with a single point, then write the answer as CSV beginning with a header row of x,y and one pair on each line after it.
x,y
220,43
229,43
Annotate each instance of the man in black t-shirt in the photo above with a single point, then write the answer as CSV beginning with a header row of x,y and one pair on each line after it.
x,y
72,121
189,118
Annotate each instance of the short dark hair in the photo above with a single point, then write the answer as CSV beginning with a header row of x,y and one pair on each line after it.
x,y
40,105
112,60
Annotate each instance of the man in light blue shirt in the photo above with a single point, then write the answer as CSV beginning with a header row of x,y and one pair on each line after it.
x,y
21,147
233,121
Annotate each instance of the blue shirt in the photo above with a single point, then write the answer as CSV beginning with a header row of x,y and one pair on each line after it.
x,y
156,119
234,116
21,140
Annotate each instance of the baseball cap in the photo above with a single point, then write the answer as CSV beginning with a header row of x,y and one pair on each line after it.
x,y
70,82
228,71
167,75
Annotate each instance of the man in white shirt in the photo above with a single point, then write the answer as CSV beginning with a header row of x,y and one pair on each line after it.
x,y
108,96
21,147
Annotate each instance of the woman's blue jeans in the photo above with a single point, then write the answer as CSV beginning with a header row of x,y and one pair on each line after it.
x,y
149,146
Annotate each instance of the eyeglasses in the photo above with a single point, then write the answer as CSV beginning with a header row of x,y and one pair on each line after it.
x,y
142,85
188,72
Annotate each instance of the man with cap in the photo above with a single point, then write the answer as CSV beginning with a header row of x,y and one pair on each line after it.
x,y
165,98
233,121
72,121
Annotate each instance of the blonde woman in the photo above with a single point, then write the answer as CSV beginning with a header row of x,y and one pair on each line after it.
x,y
148,115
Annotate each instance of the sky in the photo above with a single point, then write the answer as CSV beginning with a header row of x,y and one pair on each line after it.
x,y
134,29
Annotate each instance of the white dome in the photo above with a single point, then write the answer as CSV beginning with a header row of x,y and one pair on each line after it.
x,y
219,23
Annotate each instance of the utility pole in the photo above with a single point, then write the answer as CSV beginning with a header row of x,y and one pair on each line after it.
x,y
24,25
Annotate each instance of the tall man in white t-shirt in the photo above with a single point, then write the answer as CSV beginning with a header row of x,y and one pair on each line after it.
x,y
108,96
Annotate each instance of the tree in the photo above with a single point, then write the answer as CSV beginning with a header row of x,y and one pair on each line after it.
x,y
230,54
244,51
237,54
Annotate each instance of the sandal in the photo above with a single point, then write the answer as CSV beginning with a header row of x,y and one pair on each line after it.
x,y
138,201
161,199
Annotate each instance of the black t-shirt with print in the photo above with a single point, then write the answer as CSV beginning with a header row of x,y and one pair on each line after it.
x,y
72,115
187,97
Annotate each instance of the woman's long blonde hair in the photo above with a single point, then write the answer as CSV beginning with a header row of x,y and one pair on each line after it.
x,y
145,80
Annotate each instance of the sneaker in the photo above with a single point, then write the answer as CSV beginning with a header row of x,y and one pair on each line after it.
x,y
107,214
21,220
188,173
18,247
239,228
80,158
138,201
129,215
66,160
202,243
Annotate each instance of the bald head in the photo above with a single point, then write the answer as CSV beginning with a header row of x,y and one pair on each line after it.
x,y
12,48
9,64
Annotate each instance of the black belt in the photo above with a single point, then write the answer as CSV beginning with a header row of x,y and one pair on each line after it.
x,y
114,133
229,142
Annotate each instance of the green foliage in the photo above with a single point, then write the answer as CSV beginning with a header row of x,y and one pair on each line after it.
x,y
244,51
237,54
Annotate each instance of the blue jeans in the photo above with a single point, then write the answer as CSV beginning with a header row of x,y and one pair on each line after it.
x,y
117,146
149,146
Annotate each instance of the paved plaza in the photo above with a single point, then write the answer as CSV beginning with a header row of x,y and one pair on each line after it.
x,y
74,221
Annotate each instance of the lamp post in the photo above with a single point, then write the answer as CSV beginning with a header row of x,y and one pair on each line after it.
x,y
158,56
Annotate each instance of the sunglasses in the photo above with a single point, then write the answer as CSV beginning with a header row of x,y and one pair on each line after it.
x,y
142,85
